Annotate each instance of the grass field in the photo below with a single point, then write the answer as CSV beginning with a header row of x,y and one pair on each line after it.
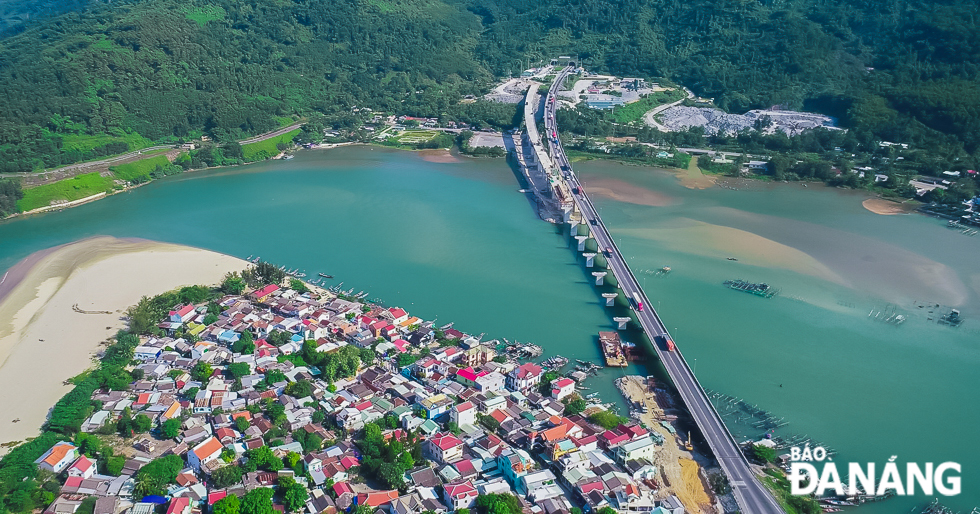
x,y
202,15
134,169
635,111
85,143
265,149
412,137
69,189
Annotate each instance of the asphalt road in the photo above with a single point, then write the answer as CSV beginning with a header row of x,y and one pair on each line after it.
x,y
751,495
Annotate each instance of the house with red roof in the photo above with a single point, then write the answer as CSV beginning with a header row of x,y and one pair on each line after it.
x,y
524,377
401,345
611,438
182,314
181,505
226,435
443,448
398,315
342,487
460,495
468,376
216,496
633,430
463,414
261,295
562,387
83,467
377,498
203,453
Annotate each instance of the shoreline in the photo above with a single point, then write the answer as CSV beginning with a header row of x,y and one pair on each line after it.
x,y
44,342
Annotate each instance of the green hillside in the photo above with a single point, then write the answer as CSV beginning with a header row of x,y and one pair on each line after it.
x,y
133,71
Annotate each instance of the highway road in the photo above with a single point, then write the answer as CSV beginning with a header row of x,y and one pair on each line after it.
x,y
752,496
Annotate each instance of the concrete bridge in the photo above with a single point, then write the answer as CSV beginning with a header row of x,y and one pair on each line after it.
x,y
752,496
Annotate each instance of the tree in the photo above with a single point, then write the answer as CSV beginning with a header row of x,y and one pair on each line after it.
x,y
238,369
87,506
574,405
201,371
241,423
502,503
367,356
293,494
210,318
245,344
606,419
297,285
278,338
228,505
257,501
607,510
262,458
226,476
300,389
170,429
763,453
154,477
142,423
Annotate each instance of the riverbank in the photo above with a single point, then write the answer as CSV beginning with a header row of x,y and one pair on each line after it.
x,y
44,341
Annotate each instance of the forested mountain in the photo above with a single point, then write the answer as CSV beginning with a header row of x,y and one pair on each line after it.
x,y
73,84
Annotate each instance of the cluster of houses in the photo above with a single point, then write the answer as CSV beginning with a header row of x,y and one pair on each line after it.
x,y
488,427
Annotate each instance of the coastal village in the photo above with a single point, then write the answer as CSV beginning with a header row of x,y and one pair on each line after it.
x,y
427,420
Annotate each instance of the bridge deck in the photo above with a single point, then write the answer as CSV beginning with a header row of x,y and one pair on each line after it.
x,y
751,495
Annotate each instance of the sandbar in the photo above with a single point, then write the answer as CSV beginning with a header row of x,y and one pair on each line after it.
x,y
438,155
44,341
623,191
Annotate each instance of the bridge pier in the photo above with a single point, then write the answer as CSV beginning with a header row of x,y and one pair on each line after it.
x,y
581,243
599,277
622,322
610,298
589,259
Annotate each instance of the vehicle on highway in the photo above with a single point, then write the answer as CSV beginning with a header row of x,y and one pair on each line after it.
x,y
593,221
638,302
667,343
607,252
575,189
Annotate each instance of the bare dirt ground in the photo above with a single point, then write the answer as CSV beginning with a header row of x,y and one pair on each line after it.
x,y
676,468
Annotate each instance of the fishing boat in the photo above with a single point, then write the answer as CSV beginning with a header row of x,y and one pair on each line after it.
x,y
732,259
324,275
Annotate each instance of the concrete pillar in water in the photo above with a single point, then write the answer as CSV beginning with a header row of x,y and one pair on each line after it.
x,y
599,276
581,242
610,298
589,259
622,322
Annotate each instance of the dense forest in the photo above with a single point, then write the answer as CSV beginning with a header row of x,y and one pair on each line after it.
x,y
104,76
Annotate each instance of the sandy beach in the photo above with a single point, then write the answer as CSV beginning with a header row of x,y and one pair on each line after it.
x,y
44,342
887,207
